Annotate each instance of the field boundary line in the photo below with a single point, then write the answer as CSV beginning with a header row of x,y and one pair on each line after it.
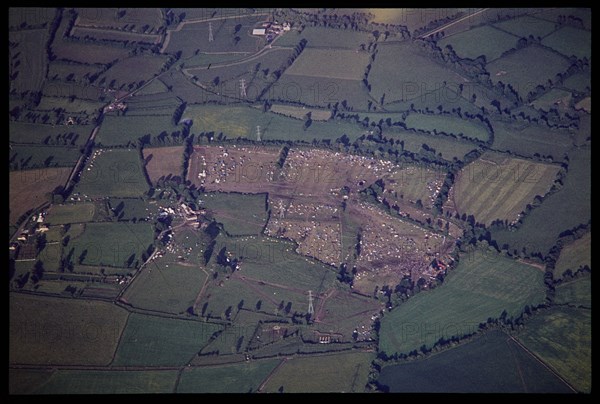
x,y
201,292
271,374
120,337
554,372
512,353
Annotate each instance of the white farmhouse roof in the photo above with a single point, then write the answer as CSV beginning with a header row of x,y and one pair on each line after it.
x,y
259,31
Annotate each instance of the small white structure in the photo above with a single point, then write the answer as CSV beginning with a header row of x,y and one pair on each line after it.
x,y
259,31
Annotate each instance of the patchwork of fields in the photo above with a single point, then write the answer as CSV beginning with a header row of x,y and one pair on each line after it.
x,y
495,187
482,286
482,41
575,255
538,234
561,337
235,200
514,69
401,73
28,189
47,330
491,363
330,64
113,172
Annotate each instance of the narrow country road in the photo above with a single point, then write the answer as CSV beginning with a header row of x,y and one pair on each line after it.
x,y
446,26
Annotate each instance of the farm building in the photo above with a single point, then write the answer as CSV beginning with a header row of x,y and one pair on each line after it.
x,y
42,229
259,31
327,337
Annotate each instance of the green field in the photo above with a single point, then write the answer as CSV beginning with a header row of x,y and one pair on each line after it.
x,y
80,52
486,40
330,63
497,187
574,255
145,67
114,173
230,294
27,61
570,42
50,256
527,25
32,133
527,139
78,106
205,59
442,96
152,104
490,364
25,381
581,13
194,37
346,312
187,243
122,130
60,331
275,261
482,286
234,339
449,148
71,91
345,372
130,301
87,53
319,91
555,98
112,18
76,72
84,270
169,289
114,35
320,37
576,292
157,341
114,244
270,272
572,201
478,96
236,122
19,18
54,234
38,156
199,14
562,337
108,382
239,378
132,208
401,72
515,69
155,87
223,80
448,124
183,87
75,230
578,82
71,213
240,214
300,112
